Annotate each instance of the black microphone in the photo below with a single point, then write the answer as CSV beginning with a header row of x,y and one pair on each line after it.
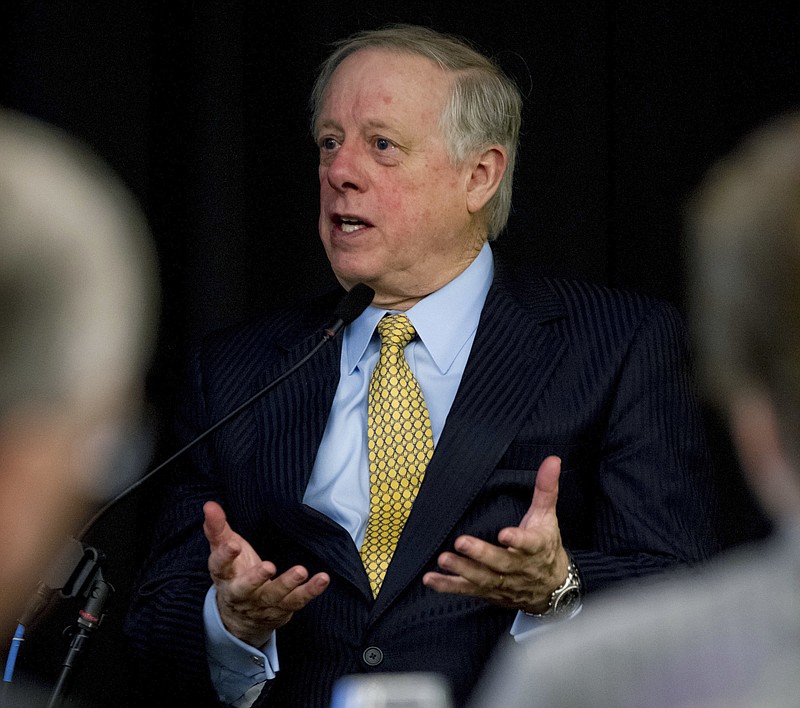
x,y
350,306
354,302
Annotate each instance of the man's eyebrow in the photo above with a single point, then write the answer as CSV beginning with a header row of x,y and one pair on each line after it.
x,y
379,125
326,125
369,125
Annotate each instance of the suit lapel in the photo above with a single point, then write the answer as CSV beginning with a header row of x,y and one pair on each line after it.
x,y
512,357
301,405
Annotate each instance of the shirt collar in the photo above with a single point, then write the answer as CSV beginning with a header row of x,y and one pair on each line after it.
x,y
445,320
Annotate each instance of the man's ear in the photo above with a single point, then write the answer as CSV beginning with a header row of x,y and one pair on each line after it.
x,y
764,456
487,171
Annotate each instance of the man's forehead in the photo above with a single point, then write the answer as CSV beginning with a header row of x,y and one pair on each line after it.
x,y
380,87
373,68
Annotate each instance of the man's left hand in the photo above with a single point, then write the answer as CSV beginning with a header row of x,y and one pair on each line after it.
x,y
530,562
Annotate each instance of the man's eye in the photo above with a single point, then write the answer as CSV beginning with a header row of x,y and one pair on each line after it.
x,y
327,144
382,144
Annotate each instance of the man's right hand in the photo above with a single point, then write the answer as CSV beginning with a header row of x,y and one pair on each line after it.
x,y
252,601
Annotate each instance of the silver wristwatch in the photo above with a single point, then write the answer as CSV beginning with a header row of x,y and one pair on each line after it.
x,y
565,599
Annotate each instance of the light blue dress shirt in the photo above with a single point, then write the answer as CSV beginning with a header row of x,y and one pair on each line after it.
x,y
446,322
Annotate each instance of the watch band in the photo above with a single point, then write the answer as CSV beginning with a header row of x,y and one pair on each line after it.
x,y
566,598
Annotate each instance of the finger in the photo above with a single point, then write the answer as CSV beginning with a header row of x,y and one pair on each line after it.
x,y
215,523
294,595
545,493
496,558
287,582
278,599
475,573
231,557
223,543
259,584
240,583
441,582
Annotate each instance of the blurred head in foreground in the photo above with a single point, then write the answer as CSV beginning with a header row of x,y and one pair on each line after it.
x,y
78,300
745,278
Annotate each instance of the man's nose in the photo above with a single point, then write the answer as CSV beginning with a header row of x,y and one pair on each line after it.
x,y
344,172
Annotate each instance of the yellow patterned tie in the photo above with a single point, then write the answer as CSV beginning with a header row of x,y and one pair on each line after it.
x,y
400,444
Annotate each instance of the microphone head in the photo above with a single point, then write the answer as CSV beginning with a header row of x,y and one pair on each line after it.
x,y
353,303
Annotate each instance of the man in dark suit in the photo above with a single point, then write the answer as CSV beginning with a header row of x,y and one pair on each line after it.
x,y
567,445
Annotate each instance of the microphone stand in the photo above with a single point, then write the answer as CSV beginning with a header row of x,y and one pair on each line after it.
x,y
77,570
97,593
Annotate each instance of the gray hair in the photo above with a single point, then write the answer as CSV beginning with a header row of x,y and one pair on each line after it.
x,y
485,106
78,282
744,224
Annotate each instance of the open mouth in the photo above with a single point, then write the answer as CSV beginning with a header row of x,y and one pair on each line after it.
x,y
350,224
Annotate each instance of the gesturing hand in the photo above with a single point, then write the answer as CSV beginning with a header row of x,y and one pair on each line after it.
x,y
523,571
253,602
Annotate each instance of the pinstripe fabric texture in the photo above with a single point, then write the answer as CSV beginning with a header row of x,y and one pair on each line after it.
x,y
599,377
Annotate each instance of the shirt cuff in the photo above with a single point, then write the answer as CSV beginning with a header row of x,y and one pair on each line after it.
x,y
526,626
237,669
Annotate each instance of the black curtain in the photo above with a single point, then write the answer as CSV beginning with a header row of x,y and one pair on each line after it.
x,y
201,108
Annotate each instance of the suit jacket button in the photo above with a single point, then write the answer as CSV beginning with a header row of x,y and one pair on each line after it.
x,y
372,656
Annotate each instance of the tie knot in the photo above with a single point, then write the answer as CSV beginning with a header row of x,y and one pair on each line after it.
x,y
396,329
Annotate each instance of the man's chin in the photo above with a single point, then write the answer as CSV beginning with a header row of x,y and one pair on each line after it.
x,y
347,282
350,276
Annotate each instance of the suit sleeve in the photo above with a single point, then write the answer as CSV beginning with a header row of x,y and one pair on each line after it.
x,y
163,624
655,504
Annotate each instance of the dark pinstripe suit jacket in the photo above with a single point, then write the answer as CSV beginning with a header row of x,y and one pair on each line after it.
x,y
595,376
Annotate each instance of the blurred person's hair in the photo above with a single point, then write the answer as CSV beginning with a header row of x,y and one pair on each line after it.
x,y
77,272
745,273
78,304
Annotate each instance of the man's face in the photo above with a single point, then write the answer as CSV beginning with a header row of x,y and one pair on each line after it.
x,y
393,209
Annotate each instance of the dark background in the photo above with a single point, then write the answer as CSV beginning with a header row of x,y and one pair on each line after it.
x,y
201,108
